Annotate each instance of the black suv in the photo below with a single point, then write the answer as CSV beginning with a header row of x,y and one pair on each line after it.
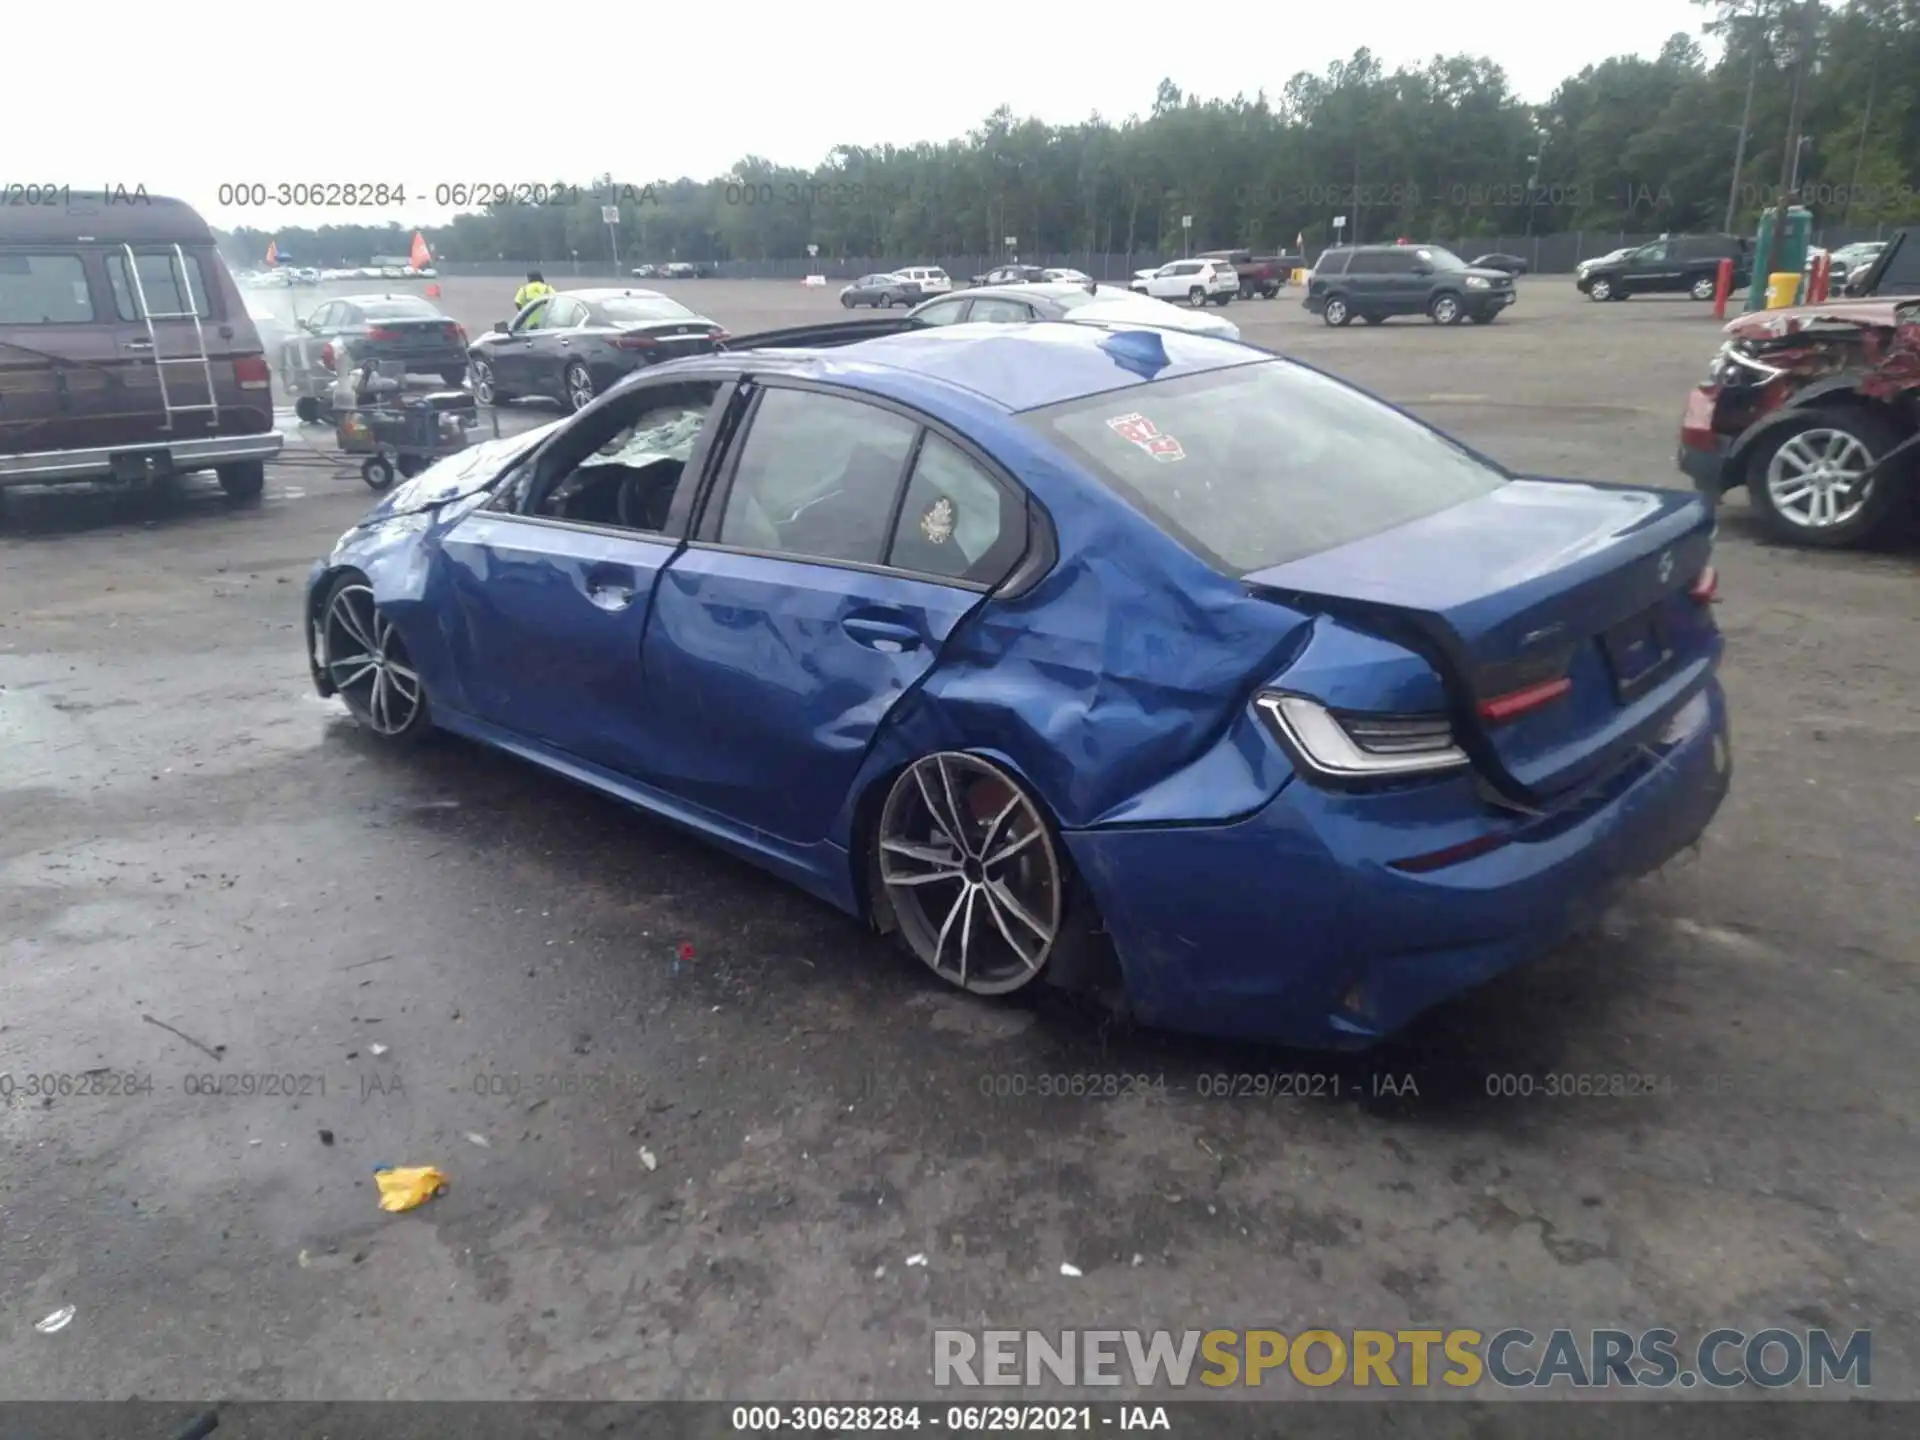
x,y
1671,265
1375,281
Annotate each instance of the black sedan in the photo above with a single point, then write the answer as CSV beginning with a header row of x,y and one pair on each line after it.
x,y
367,327
882,292
1510,264
573,345
1013,275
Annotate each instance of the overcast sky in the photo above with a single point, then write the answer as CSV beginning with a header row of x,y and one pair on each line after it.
x,y
430,96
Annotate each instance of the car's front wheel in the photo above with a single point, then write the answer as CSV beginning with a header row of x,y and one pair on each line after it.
x,y
1335,311
486,389
367,664
1445,309
1809,484
847,301
1703,288
971,872
579,385
1600,288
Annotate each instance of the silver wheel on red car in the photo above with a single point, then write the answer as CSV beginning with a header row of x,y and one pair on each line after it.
x,y
1811,486
367,664
971,872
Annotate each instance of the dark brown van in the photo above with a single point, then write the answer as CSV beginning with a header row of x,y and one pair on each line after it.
x,y
126,352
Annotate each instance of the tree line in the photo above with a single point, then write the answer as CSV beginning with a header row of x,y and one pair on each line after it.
x,y
1443,149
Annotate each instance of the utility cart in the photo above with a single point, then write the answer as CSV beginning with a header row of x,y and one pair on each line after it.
x,y
400,434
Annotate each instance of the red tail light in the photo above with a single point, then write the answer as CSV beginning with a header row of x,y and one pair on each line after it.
x,y
1706,589
635,342
326,356
380,332
1516,703
459,333
252,373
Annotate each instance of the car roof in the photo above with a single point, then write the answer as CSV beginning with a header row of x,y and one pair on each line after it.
x,y
1012,367
89,215
376,299
593,297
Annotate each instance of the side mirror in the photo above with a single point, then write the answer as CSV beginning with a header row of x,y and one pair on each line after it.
x,y
499,327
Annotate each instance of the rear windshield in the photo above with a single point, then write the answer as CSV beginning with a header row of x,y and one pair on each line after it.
x,y
1266,463
44,290
398,307
167,290
638,310
1902,275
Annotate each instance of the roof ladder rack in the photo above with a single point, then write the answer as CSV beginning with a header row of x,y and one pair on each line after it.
x,y
199,356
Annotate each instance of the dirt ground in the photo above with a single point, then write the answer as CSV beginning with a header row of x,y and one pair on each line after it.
x,y
456,946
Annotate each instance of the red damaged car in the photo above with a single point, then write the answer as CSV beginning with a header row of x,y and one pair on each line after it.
x,y
1816,409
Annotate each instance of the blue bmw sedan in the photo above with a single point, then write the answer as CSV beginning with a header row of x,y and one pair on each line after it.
x,y
1113,658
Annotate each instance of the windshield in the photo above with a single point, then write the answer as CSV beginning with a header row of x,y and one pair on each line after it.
x,y
1265,463
639,309
399,309
1440,259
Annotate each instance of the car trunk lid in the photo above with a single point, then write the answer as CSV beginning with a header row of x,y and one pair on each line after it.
x,y
413,335
670,339
1562,618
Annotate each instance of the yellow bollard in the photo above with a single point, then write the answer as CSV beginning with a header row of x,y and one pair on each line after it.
x,y
1783,289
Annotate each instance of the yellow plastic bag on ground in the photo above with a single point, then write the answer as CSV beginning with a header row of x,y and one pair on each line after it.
x,y
404,1187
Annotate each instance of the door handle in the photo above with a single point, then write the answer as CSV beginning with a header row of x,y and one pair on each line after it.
x,y
139,345
612,587
885,635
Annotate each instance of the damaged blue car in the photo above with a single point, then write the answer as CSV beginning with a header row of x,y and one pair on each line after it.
x,y
1100,656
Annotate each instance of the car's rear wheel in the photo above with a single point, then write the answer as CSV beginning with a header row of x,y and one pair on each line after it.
x,y
244,481
308,410
972,873
1445,309
1808,483
1196,297
366,662
486,388
1600,288
1703,288
1335,312
578,381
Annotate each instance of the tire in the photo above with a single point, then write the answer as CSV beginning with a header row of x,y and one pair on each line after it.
x,y
1335,312
307,409
1790,496
1196,297
455,378
1271,292
485,390
377,471
1703,288
846,302
945,899
244,481
885,302
577,381
1445,309
348,618
1600,288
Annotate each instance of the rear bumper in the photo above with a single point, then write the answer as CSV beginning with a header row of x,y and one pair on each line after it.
x,y
59,467
1307,936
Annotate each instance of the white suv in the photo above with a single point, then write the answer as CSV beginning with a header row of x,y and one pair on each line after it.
x,y
1195,281
932,279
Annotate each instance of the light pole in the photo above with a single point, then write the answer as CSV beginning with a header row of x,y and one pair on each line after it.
x,y
1746,121
1533,179
1798,150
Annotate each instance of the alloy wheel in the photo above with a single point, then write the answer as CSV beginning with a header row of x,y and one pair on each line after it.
x,y
1815,479
1446,310
1704,287
368,664
970,868
1600,290
579,386
483,382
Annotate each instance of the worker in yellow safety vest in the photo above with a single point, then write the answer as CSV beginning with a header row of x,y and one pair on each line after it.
x,y
531,291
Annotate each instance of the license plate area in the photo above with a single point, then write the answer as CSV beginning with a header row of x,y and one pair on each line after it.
x,y
1639,652
132,467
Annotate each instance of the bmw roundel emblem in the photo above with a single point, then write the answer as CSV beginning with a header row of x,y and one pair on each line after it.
x,y
1666,567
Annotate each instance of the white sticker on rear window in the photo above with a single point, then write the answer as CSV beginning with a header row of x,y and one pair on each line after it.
x,y
1141,431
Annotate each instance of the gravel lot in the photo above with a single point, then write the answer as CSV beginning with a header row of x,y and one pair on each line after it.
x,y
190,835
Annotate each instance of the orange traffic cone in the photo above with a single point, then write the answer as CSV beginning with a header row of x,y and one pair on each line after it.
x,y
433,291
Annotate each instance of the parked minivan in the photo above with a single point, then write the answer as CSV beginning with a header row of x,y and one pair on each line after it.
x,y
126,351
